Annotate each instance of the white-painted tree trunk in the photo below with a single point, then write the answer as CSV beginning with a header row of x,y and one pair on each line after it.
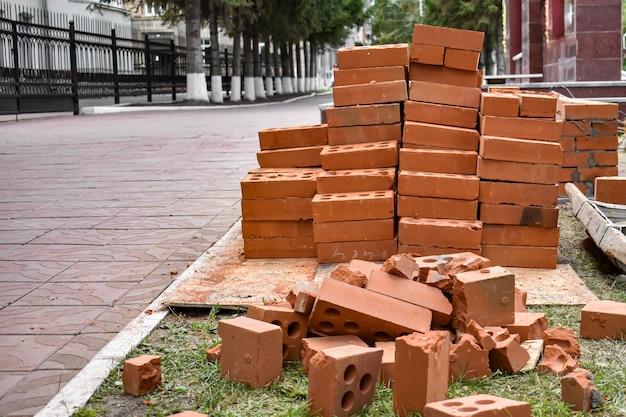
x,y
217,94
235,88
248,88
269,87
301,85
294,85
287,88
196,87
259,88
278,85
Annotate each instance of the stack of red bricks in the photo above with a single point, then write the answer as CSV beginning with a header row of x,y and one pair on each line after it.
x,y
354,210
519,161
437,183
589,140
276,198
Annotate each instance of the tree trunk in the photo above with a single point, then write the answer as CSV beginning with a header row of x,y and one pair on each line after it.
x,y
269,80
500,45
307,67
285,58
259,88
217,94
488,53
248,67
292,70
235,80
278,81
196,79
299,71
313,63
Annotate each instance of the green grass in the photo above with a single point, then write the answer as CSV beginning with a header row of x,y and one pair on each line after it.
x,y
191,382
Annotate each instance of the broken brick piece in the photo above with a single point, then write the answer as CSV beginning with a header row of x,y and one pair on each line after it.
x,y
508,355
463,262
312,345
342,380
468,360
293,325
485,340
252,351
520,301
213,354
564,337
400,265
528,325
345,274
142,374
578,390
426,355
556,361
478,405
388,362
603,319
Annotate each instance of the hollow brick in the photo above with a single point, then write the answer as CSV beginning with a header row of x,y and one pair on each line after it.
x,y
444,94
443,75
293,325
293,136
443,208
434,135
354,180
490,169
512,214
373,56
141,374
343,77
312,345
366,205
360,156
427,184
297,183
364,134
445,115
438,160
373,114
603,320
478,405
441,233
303,157
468,360
373,93
520,150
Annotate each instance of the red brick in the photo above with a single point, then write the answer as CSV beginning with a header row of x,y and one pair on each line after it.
x,y
337,252
577,109
485,296
343,77
579,392
448,37
443,75
400,265
533,104
603,320
290,157
568,143
436,136
313,345
364,134
518,193
296,183
373,56
442,208
349,275
521,128
276,228
504,89
511,214
438,160
280,247
373,93
444,94
426,355
388,365
611,189
213,354
288,208
342,380
608,158
431,250
566,175
478,405
427,184
356,180
529,326
373,114
484,339
499,104
441,233
348,231
490,169
604,127
346,309
293,136
520,235
590,174
556,361
576,128
520,150
592,143
426,54
522,256
251,351
575,159
366,205
563,337
360,156
468,360
141,374
508,355
461,59
412,292
293,325
440,114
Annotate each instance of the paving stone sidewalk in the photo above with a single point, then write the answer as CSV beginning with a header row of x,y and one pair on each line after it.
x,y
98,215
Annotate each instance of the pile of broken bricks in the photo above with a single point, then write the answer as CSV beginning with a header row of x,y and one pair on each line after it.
x,y
412,323
415,158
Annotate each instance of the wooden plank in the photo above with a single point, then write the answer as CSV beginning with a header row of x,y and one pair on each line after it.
x,y
560,286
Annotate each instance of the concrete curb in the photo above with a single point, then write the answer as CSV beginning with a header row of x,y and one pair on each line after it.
x,y
127,108
81,388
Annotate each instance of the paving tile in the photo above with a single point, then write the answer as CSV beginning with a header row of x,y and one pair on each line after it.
x,y
40,320
26,352
33,392
9,379
115,318
137,253
19,237
10,292
173,222
27,224
191,251
153,236
120,222
31,271
150,288
82,223
78,351
76,293
106,271
47,253
77,237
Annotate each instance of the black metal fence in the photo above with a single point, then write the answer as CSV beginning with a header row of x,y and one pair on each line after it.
x,y
48,69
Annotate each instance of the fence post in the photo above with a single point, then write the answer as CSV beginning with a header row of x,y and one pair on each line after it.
x,y
116,75
74,67
148,59
16,66
173,68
